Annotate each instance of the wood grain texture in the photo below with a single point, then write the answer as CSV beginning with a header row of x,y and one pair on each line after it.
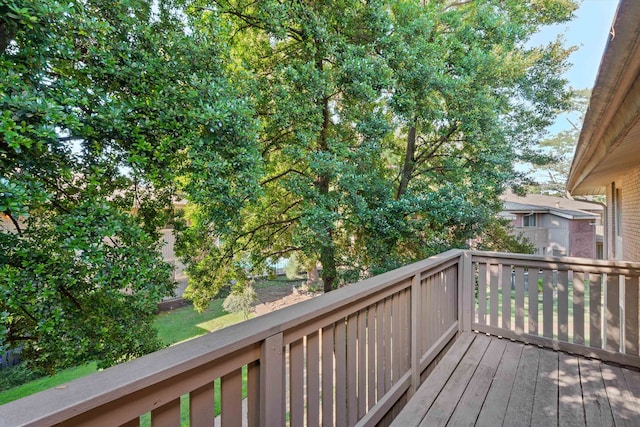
x,y
521,403
570,400
495,404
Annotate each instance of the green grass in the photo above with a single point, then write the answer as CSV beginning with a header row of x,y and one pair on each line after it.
x,y
44,383
278,281
185,323
173,326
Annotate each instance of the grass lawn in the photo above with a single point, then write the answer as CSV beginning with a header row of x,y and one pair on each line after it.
x,y
173,326
185,323
46,382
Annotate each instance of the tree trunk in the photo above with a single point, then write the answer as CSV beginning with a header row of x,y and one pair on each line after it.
x,y
327,249
312,274
409,163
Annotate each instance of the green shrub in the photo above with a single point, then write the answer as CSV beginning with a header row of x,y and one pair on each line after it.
x,y
241,301
14,376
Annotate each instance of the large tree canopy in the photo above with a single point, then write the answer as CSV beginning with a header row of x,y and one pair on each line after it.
x,y
387,128
353,135
104,104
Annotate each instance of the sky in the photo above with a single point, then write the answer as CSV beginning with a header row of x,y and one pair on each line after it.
x,y
589,32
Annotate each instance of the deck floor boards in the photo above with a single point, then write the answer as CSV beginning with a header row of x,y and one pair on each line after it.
x,y
492,382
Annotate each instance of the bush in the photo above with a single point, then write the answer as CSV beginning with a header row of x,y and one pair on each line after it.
x,y
241,301
14,376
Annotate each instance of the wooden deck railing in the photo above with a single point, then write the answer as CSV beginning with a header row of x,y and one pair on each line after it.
x,y
354,356
587,307
351,357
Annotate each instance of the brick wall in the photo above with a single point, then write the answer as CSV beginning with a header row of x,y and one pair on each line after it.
x,y
582,238
630,186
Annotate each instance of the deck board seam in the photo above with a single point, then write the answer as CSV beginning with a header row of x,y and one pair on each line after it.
x,y
475,369
453,371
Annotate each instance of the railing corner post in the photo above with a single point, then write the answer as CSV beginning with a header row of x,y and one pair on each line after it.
x,y
465,291
272,393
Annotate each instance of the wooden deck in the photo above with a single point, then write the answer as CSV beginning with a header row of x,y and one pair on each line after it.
x,y
488,381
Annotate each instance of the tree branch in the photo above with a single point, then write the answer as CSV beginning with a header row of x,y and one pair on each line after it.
x,y
14,221
280,175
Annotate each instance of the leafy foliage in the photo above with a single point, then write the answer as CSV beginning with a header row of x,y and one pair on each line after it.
x,y
104,103
241,300
387,129
499,236
362,135
562,146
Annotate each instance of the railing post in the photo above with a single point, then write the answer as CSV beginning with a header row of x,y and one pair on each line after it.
x,y
271,384
465,291
416,321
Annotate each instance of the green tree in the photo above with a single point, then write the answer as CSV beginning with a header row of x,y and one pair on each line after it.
x,y
499,236
104,104
241,300
553,174
471,99
387,129
316,77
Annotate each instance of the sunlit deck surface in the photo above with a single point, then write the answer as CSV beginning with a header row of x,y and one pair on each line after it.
x,y
488,381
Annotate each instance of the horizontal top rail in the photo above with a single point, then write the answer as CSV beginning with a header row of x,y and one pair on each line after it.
x,y
84,394
559,263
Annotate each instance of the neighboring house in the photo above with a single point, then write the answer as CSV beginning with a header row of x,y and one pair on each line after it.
x,y
557,226
607,158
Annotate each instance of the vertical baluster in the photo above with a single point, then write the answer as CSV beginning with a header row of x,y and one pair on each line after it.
x,y
201,408
167,415
296,382
313,379
595,310
631,315
494,295
563,305
519,302
327,376
534,272
352,369
371,356
380,353
547,303
231,390
388,350
396,351
362,363
578,307
341,372
506,296
613,312
483,274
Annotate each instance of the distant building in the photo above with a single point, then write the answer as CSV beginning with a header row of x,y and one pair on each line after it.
x,y
557,226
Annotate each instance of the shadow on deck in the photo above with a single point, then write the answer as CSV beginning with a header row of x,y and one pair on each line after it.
x,y
487,381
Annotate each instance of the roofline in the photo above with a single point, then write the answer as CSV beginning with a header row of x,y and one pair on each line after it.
x,y
612,109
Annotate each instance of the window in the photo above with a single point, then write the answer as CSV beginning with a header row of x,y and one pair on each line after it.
x,y
599,251
529,220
